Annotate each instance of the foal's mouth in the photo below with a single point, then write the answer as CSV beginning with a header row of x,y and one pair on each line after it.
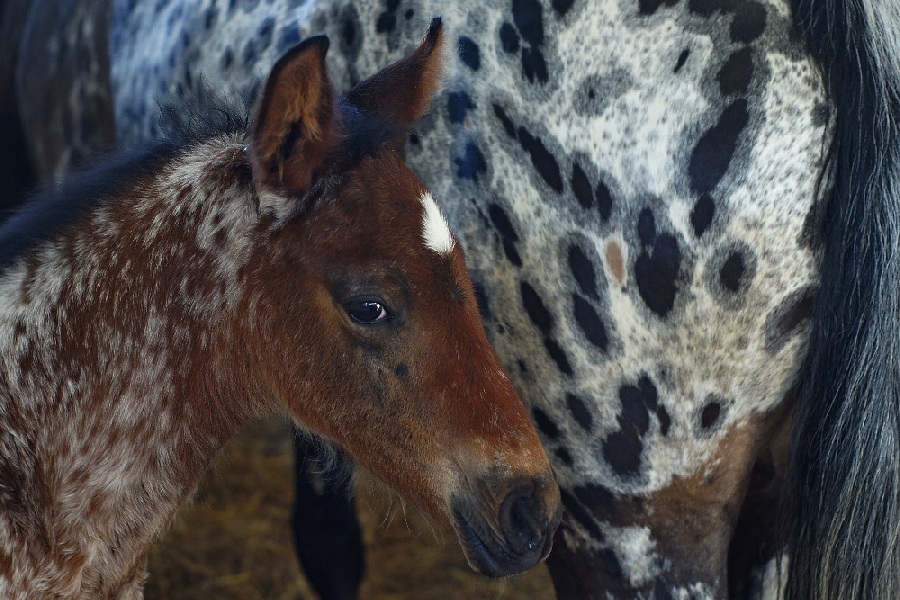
x,y
513,540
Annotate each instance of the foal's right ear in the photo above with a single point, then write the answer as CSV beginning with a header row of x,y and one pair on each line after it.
x,y
292,127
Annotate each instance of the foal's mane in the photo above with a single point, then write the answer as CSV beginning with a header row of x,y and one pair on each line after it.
x,y
202,116
51,208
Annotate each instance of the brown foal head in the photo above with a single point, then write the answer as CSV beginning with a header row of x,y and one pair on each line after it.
x,y
364,322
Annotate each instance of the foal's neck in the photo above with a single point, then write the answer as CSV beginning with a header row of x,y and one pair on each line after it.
x,y
124,369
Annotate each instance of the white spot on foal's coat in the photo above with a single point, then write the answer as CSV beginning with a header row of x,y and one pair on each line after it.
x,y
435,230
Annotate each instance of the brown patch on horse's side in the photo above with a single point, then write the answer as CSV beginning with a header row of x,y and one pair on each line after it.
x,y
293,121
403,91
757,534
693,519
708,504
616,261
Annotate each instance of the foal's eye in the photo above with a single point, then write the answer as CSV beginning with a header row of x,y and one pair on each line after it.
x,y
367,311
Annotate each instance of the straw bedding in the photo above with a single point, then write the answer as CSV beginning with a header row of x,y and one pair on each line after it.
x,y
234,540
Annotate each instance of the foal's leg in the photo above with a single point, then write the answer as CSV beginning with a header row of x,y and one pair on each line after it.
x,y
326,528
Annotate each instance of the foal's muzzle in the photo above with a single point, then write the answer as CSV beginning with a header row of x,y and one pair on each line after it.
x,y
507,527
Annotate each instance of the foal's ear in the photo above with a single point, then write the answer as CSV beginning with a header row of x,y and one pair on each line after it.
x,y
292,126
403,90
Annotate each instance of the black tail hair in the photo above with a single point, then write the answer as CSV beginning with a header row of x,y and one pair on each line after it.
x,y
846,469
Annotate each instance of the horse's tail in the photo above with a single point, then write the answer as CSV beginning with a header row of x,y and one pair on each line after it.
x,y
846,471
16,172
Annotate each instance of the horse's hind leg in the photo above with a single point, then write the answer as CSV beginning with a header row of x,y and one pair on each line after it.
x,y
326,528
757,540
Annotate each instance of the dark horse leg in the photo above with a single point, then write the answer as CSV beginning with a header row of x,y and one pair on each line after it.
x,y
326,527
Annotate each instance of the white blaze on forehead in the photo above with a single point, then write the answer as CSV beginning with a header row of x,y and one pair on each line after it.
x,y
435,230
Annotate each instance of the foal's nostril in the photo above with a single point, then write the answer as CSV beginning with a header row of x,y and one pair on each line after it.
x,y
524,521
515,537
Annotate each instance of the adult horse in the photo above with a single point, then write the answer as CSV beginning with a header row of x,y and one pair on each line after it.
x,y
665,193
152,306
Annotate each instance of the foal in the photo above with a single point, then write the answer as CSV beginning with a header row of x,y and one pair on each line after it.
x,y
148,312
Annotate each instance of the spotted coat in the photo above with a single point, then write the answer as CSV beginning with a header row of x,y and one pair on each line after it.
x,y
636,184
154,305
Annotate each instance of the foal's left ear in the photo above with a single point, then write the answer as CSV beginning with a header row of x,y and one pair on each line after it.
x,y
292,128
403,91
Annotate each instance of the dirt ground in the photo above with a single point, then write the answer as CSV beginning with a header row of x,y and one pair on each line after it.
x,y
234,540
